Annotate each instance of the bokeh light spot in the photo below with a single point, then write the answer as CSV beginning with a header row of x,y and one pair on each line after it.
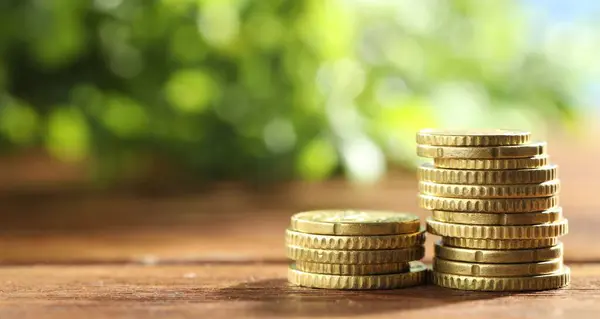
x,y
279,135
363,159
341,78
68,134
218,22
191,90
124,117
18,122
317,160
126,61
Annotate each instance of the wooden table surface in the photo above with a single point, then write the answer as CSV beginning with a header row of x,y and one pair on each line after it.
x,y
218,253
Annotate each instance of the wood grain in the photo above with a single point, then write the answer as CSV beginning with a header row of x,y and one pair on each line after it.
x,y
261,291
226,223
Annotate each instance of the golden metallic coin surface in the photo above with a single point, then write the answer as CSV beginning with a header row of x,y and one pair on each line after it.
x,y
502,205
332,242
355,256
482,152
416,276
428,173
507,163
355,222
539,231
498,256
346,270
555,280
490,191
497,270
507,219
505,244
481,137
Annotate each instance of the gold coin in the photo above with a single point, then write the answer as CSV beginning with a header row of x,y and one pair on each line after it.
x,y
416,276
344,269
498,256
497,270
355,256
355,222
483,152
504,205
428,173
506,244
483,137
498,232
508,163
555,280
548,216
490,191
294,238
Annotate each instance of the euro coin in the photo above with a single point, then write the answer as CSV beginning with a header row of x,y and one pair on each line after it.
x,y
355,222
554,280
346,270
428,173
355,256
503,205
539,231
496,270
506,219
498,256
505,244
516,151
490,191
332,242
416,276
505,163
481,137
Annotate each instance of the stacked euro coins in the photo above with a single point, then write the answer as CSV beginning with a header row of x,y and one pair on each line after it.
x,y
345,249
494,201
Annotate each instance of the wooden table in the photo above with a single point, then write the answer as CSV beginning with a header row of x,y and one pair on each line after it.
x,y
218,253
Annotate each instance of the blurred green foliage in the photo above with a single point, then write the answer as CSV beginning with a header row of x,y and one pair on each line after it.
x,y
240,89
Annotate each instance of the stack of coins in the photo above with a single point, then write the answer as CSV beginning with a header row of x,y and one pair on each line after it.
x,y
355,250
493,196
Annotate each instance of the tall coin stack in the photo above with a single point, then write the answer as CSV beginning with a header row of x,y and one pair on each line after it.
x,y
341,249
494,200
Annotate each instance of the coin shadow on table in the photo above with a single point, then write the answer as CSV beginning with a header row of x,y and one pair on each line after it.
x,y
276,297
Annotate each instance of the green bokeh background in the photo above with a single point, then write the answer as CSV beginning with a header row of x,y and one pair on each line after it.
x,y
270,90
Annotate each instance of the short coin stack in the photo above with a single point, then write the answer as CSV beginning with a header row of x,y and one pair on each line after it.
x,y
340,249
493,196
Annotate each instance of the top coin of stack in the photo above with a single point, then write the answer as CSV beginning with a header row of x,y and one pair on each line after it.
x,y
345,249
493,196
